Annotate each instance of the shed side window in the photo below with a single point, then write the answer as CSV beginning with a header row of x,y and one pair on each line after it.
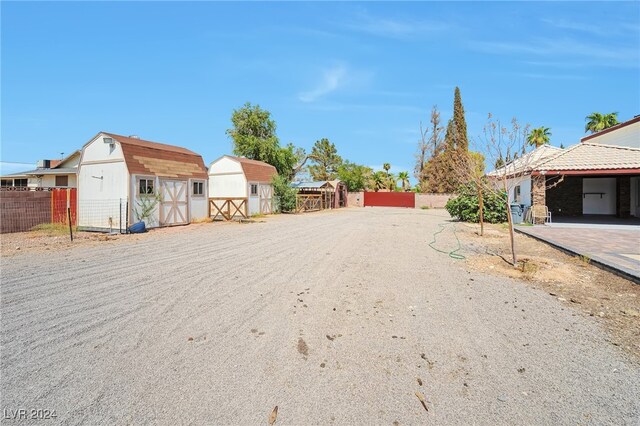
x,y
145,186
198,188
254,189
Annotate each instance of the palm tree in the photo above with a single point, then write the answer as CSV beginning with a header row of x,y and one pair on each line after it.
x,y
386,167
539,136
598,122
392,181
404,178
379,180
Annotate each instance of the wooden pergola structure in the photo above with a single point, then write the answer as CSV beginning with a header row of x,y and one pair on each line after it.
x,y
320,195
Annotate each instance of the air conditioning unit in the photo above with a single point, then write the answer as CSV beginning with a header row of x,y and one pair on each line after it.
x,y
43,164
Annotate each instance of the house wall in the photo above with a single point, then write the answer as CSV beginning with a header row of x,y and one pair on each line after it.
x,y
103,181
524,182
595,203
566,198
227,180
626,136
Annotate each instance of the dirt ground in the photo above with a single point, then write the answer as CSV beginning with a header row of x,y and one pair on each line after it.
x,y
342,317
570,279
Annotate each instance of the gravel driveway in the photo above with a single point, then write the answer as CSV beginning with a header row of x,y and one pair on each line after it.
x,y
334,317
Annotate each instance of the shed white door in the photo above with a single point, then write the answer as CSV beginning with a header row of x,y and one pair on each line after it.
x,y
174,207
266,195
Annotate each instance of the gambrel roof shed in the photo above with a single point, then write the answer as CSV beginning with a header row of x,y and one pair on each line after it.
x,y
254,170
144,157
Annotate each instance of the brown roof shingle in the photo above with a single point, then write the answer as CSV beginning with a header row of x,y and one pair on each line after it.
x,y
256,171
158,159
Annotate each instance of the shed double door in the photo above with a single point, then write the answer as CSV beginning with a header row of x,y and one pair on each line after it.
x,y
266,195
174,207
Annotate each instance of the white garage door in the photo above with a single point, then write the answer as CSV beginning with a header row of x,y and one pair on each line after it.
x,y
174,207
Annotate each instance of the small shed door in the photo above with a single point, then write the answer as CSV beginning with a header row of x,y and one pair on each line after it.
x,y
174,207
266,195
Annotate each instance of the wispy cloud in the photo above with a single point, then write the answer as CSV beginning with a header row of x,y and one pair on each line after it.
x,y
396,27
564,24
621,56
554,76
331,80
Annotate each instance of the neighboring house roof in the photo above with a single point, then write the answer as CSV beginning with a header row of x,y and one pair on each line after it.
x,y
588,156
42,172
618,126
527,162
152,158
58,163
254,170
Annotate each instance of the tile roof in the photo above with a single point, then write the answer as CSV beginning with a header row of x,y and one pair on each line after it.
x,y
528,161
254,170
593,156
158,159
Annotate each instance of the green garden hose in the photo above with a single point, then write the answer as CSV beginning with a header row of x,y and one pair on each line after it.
x,y
452,254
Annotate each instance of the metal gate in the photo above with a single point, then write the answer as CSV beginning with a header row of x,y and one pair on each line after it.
x,y
390,199
174,207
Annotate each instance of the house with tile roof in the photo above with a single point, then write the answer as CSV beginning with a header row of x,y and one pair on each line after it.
x,y
598,176
125,179
240,187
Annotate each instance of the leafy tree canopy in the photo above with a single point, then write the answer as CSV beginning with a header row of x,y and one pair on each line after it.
x,y
355,176
326,160
254,137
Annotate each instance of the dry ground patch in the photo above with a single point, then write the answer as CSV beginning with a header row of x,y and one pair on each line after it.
x,y
571,279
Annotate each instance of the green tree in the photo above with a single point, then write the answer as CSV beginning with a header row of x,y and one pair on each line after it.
x,y
404,180
460,137
386,167
254,137
284,193
355,176
440,171
539,136
379,180
598,121
326,160
392,182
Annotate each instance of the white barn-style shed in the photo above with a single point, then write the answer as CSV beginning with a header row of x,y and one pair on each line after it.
x,y
119,177
240,187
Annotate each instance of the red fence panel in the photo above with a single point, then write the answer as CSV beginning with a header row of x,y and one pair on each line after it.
x,y
389,199
59,205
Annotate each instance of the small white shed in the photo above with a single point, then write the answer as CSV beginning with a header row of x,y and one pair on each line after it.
x,y
240,187
121,176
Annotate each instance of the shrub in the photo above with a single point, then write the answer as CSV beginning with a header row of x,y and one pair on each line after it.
x,y
465,206
285,194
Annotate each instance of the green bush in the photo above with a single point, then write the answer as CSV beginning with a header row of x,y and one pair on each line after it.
x,y
465,206
285,194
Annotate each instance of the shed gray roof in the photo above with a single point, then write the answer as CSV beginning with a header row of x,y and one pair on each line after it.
x,y
310,185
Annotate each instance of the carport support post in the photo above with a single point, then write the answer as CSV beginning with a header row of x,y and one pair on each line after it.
x,y
538,193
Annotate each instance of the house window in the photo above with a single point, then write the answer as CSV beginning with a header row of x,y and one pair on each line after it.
x,y
62,180
516,194
6,182
20,182
254,190
198,188
145,186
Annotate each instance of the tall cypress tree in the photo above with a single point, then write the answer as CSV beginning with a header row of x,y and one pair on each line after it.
x,y
461,141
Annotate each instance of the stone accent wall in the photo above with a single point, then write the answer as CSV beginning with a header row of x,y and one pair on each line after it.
x,y
538,195
566,198
623,196
22,210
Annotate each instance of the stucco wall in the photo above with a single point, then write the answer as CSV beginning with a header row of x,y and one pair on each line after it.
x,y
433,201
625,136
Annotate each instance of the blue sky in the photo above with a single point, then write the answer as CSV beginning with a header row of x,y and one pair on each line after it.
x,y
361,74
